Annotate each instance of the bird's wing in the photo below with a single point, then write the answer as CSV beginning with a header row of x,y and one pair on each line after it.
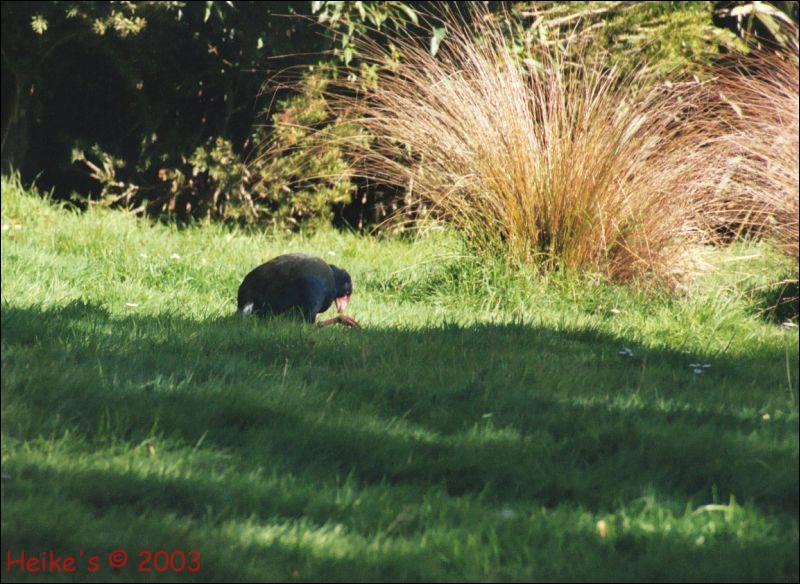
x,y
289,281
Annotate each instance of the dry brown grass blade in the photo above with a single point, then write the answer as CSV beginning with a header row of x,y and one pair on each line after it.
x,y
761,144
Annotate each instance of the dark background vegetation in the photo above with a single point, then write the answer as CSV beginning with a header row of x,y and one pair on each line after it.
x,y
166,107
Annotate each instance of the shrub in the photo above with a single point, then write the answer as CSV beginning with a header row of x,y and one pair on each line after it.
x,y
669,36
562,161
296,177
300,173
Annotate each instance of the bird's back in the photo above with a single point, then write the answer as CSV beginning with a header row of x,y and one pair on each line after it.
x,y
288,281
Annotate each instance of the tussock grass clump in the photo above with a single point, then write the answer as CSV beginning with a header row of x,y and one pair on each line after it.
x,y
761,142
559,161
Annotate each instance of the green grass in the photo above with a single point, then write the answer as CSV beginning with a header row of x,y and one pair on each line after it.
x,y
479,427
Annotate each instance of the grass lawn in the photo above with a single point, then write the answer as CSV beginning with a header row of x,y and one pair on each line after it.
x,y
482,426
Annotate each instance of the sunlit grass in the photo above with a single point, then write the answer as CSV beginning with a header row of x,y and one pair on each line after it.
x,y
482,426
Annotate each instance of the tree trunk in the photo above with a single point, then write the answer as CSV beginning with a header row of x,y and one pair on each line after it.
x,y
15,121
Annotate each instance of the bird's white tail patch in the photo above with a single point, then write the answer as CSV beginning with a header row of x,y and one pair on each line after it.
x,y
248,309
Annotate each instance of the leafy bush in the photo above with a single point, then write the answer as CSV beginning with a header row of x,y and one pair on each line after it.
x,y
349,21
669,36
301,174
153,104
296,177
144,83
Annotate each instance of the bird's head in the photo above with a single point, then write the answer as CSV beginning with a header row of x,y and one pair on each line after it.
x,y
344,288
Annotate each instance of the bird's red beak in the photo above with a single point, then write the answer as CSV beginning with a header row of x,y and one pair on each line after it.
x,y
342,302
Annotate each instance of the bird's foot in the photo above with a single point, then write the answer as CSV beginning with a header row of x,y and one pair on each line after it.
x,y
349,321
341,319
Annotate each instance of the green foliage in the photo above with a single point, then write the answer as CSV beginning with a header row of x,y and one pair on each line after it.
x,y
120,18
301,174
157,94
673,37
763,23
214,169
296,179
467,433
156,85
350,20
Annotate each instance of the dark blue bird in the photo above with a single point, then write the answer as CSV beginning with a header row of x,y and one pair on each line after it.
x,y
296,283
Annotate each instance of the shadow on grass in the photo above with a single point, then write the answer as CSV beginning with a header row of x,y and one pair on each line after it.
x,y
271,548
778,303
500,414
510,411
